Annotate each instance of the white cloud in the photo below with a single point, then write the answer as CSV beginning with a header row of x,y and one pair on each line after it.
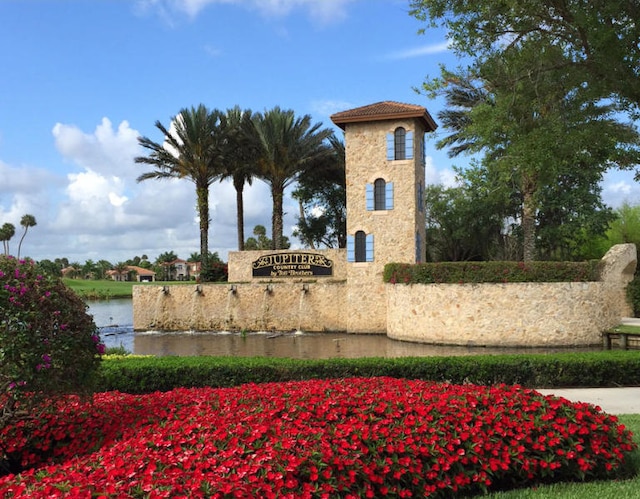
x,y
329,107
106,214
106,150
322,11
619,187
411,53
433,176
25,190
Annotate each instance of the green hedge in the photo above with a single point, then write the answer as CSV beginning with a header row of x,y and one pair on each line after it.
x,y
491,272
591,369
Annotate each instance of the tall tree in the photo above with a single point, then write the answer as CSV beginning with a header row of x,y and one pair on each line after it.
x,y
26,221
7,231
321,194
193,148
240,159
289,146
600,38
518,123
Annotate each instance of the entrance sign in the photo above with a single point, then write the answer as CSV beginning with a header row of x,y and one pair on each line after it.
x,y
292,264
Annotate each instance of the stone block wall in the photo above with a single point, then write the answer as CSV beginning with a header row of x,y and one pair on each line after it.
x,y
515,314
283,306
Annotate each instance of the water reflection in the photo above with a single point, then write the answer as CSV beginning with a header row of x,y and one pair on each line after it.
x,y
115,320
299,345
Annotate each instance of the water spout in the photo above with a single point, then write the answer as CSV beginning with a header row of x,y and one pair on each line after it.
x,y
301,311
198,289
233,289
165,290
269,288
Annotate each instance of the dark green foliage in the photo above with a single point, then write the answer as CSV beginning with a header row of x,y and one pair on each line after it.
x,y
593,369
491,272
463,223
217,272
633,293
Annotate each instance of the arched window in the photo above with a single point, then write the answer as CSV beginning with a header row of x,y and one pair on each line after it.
x,y
399,146
361,246
379,195
379,198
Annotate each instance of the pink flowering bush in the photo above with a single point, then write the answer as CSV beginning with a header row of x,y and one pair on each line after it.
x,y
48,343
348,438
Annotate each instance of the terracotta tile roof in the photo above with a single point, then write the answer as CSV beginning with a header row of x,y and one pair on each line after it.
x,y
140,270
386,110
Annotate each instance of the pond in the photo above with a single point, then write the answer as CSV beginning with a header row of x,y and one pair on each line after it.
x,y
115,320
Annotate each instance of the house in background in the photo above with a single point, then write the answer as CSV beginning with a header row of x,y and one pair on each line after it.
x,y
181,270
131,273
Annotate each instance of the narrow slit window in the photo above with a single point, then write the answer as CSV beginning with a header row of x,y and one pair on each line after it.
x,y
379,194
361,246
399,143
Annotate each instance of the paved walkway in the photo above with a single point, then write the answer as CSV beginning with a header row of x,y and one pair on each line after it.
x,y
612,400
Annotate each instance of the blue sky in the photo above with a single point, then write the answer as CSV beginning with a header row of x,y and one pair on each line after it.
x,y
83,79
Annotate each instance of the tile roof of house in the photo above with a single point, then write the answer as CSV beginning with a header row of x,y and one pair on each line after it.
x,y
386,110
140,270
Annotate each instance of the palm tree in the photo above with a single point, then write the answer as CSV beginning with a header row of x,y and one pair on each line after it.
x,y
461,96
7,231
288,147
241,159
193,149
26,221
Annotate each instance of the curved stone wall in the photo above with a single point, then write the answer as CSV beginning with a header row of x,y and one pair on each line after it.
x,y
516,314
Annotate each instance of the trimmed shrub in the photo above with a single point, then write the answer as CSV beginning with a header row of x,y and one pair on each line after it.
x,y
148,374
491,272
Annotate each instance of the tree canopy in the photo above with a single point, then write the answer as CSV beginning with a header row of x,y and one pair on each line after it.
x,y
599,38
529,103
289,146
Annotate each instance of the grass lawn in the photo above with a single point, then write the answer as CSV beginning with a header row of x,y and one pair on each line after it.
x,y
627,328
101,289
623,489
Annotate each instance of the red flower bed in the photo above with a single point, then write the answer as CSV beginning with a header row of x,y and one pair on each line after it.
x,y
350,438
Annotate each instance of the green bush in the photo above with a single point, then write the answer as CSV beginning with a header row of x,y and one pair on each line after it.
x,y
148,374
49,345
633,292
491,272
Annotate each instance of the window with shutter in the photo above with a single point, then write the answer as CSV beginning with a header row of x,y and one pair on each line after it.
x,y
351,249
408,151
368,248
361,246
399,145
388,202
391,155
369,197
379,189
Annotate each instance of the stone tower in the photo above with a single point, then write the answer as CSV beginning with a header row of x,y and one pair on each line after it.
x,y
385,177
